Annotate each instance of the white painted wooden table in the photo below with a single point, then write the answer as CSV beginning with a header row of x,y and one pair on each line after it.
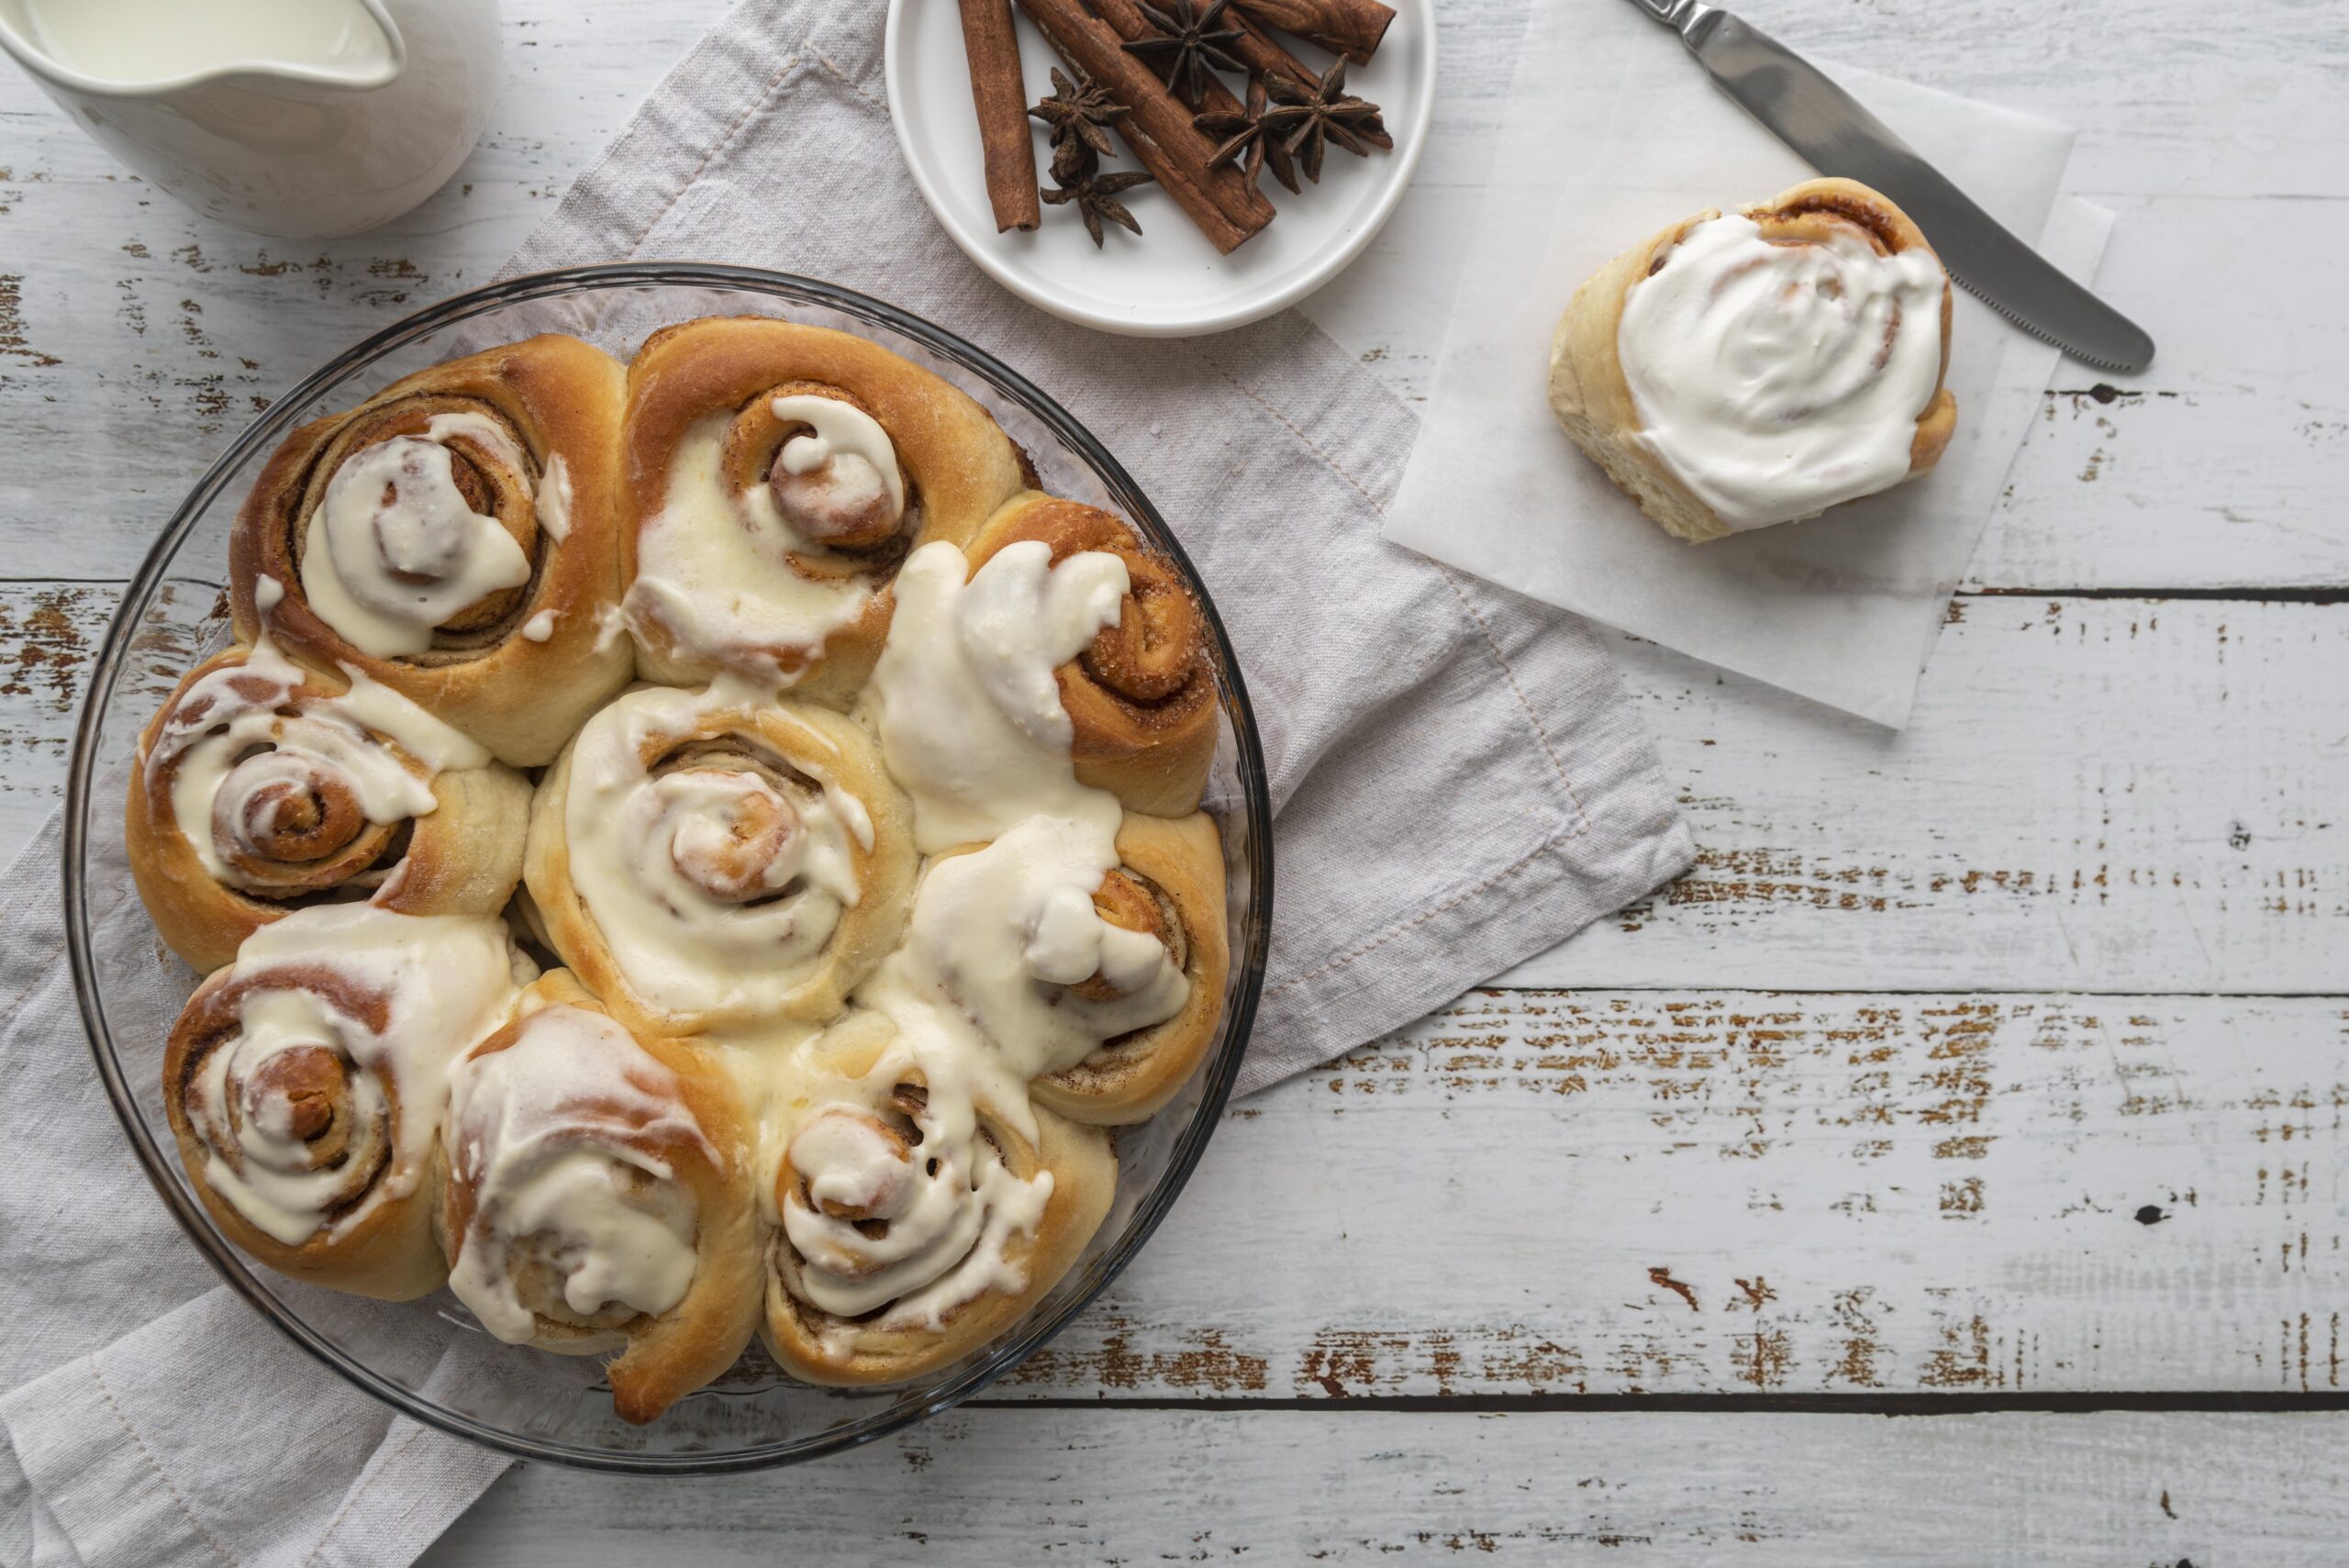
x,y
1991,1074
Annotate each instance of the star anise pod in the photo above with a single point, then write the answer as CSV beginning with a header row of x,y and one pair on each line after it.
x,y
1306,117
1187,44
1095,198
1244,141
1072,159
1079,113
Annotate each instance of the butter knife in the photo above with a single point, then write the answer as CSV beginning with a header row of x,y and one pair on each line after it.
x,y
1802,109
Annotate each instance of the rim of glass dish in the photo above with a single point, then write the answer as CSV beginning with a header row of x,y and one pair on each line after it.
x,y
794,289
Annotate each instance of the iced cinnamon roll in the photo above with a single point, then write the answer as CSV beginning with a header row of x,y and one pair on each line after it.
x,y
306,1083
262,787
453,537
918,1205
778,475
1140,692
1734,372
705,859
599,1198
1167,887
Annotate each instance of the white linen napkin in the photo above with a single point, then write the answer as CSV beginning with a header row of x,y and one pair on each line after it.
x,y
1459,783
1843,609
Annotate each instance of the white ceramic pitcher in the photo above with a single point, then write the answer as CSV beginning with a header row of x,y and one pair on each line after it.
x,y
295,118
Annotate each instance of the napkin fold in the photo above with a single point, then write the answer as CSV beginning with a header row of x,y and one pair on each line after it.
x,y
1843,609
1458,783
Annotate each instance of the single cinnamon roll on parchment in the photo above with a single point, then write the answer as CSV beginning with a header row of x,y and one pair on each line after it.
x,y
261,786
1733,371
706,860
599,1198
306,1084
1140,694
454,538
777,475
919,1206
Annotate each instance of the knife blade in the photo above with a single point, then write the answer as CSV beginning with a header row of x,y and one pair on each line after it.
x,y
1803,108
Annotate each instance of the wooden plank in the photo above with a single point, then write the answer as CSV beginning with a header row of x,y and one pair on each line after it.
x,y
1108,1486
2093,794
1611,1194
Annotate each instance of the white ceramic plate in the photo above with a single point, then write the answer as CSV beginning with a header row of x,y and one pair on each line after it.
x,y
1168,281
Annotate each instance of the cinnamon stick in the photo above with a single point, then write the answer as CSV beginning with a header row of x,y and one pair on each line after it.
x,y
1001,99
1351,27
1266,56
1156,124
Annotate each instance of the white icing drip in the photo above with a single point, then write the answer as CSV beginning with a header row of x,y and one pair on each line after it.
x,y
545,1132
267,594
610,626
383,747
539,626
682,946
863,462
713,573
451,980
999,934
951,1205
1775,381
553,503
384,575
964,698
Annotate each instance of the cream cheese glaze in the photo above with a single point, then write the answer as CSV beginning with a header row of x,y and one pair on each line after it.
x,y
545,1131
714,570
1777,379
714,888
385,572
964,697
216,735
450,981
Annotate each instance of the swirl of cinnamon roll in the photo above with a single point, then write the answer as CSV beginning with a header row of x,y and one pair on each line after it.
x,y
1139,692
454,538
1735,372
779,474
598,1198
305,1085
709,859
262,786
919,1206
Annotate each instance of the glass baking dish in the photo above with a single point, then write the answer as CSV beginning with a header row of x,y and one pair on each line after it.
x,y
429,1358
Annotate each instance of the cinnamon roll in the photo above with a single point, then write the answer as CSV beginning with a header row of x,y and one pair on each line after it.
x,y
599,1198
919,1206
709,859
1139,693
778,475
1734,372
305,1085
1168,887
454,538
262,787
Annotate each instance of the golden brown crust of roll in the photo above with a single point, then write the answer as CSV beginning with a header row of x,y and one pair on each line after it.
x,y
815,1347
1593,401
461,858
958,464
385,1249
520,697
1179,862
866,931
1141,699
668,1356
